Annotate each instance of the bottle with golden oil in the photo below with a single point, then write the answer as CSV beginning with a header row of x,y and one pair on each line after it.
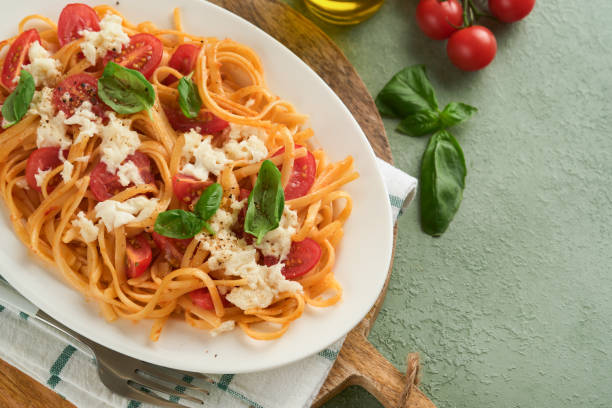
x,y
344,12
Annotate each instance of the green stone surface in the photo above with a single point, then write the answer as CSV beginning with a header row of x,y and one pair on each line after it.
x,y
512,307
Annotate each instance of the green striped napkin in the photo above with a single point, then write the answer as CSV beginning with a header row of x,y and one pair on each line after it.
x,y
49,356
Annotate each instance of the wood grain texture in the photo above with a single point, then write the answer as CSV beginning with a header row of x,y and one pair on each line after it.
x,y
358,363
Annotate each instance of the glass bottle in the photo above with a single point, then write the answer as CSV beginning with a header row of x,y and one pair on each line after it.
x,y
344,12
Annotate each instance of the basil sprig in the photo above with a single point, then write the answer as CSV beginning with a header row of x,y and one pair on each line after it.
x,y
18,102
189,97
125,90
183,224
410,96
266,202
443,174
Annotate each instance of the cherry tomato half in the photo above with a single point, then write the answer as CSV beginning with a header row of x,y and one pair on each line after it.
x,y
171,248
439,19
143,53
183,60
202,298
45,158
303,256
80,88
206,123
138,255
472,48
16,57
104,184
510,11
303,176
75,18
187,188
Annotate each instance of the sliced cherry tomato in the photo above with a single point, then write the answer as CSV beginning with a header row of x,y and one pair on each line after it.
x,y
187,188
75,18
45,158
104,184
303,176
80,88
139,255
171,248
510,11
244,194
16,57
472,48
206,124
183,60
439,19
143,53
303,256
202,298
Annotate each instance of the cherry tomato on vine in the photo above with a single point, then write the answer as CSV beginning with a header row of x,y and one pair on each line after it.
x,y
510,11
472,48
439,19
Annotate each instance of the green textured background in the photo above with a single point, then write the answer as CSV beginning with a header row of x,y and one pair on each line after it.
x,y
512,307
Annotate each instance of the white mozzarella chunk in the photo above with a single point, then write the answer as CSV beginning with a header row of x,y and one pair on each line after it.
x,y
277,243
44,69
88,230
115,213
111,37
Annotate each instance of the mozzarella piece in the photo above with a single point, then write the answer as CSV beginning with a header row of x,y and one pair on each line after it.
x,y
52,132
277,243
67,171
44,68
42,104
226,326
88,121
115,213
251,150
111,37
88,230
41,176
118,142
128,173
22,183
207,159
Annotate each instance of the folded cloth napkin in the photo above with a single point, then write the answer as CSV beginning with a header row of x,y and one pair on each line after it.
x,y
49,356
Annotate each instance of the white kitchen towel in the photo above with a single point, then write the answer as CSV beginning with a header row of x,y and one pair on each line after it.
x,y
49,356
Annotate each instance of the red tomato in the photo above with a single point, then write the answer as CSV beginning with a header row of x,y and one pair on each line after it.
x,y
472,48
510,11
244,194
81,88
139,255
303,176
439,19
172,249
183,60
201,297
45,158
17,56
75,18
187,188
104,184
303,256
206,124
143,53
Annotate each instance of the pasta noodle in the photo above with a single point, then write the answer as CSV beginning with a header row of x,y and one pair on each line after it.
x,y
230,81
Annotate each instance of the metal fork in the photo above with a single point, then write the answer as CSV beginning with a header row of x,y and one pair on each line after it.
x,y
126,376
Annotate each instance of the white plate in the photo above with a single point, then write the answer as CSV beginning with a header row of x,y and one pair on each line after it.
x,y
362,261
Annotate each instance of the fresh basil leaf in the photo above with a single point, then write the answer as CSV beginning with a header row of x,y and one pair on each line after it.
x,y
189,97
420,123
455,113
178,224
18,102
443,174
408,92
125,90
266,202
209,201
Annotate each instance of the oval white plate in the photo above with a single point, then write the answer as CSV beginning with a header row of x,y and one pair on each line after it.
x,y
363,258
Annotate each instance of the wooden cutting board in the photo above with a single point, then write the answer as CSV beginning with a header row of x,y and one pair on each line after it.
x,y
358,363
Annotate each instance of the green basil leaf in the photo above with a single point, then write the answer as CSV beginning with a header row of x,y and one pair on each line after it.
x,y
209,201
189,97
178,224
18,102
266,202
420,123
455,113
125,90
443,174
408,92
